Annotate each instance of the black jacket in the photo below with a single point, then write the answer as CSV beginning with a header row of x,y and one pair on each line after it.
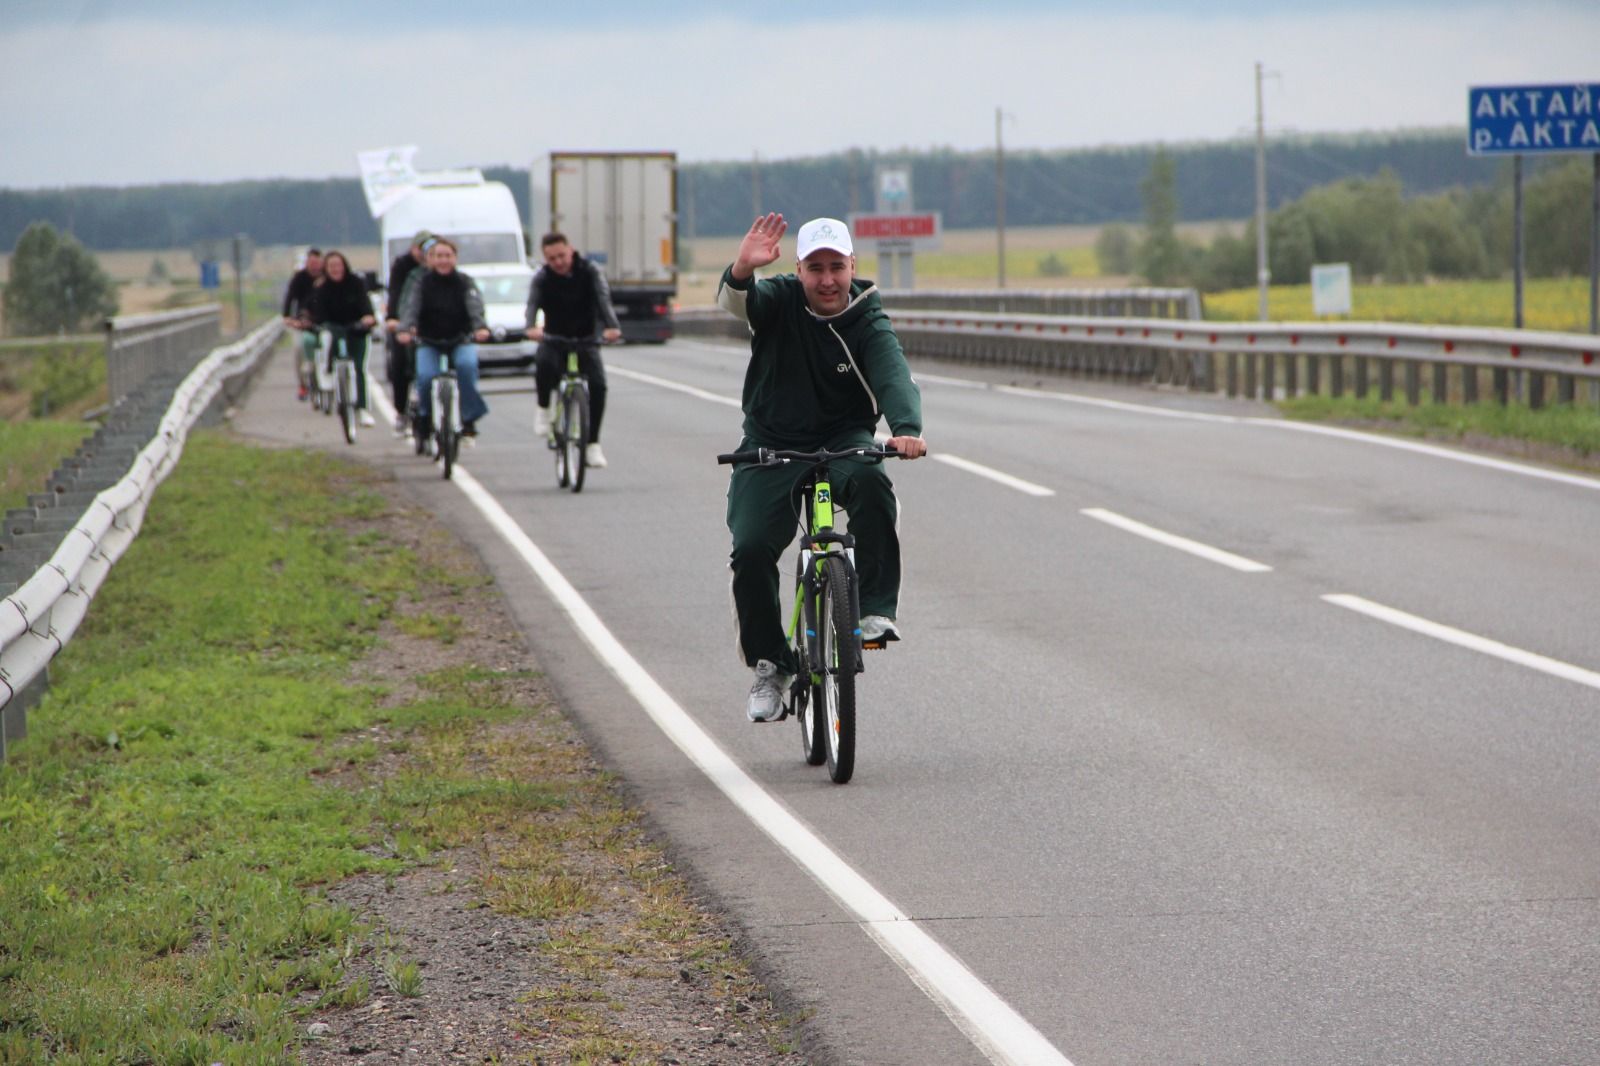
x,y
572,302
343,303
298,292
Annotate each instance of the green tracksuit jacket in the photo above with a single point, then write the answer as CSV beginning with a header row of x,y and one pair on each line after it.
x,y
817,380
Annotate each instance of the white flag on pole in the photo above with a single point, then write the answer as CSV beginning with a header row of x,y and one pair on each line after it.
x,y
387,176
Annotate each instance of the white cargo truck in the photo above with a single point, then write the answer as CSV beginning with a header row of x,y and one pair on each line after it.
x,y
481,218
620,211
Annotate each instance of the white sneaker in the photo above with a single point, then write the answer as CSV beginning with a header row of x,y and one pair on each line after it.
x,y
766,695
541,422
876,629
594,457
365,417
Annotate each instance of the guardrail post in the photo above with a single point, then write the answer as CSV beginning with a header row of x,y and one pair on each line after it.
x,y
1233,374
1361,377
1441,383
1566,389
1269,376
1535,390
1413,384
1250,376
1502,385
1291,375
1386,380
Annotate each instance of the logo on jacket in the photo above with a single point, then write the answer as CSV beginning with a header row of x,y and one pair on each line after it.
x,y
843,368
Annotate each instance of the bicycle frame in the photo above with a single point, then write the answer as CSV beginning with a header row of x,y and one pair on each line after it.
x,y
818,540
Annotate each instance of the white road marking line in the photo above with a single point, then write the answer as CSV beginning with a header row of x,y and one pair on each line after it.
x,y
1577,480
1172,540
665,383
961,464
1461,638
992,474
994,1027
1116,405
1003,1035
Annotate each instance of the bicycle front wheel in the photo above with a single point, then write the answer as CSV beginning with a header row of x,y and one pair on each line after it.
x,y
448,437
840,644
575,417
347,400
808,701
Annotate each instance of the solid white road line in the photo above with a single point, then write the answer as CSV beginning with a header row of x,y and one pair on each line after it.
x,y
1461,638
665,383
1576,480
1000,1032
1172,540
1004,1036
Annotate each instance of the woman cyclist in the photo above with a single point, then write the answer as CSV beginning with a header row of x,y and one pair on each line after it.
x,y
442,308
342,300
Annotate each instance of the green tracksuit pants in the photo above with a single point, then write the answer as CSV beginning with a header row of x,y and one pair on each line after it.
x,y
763,520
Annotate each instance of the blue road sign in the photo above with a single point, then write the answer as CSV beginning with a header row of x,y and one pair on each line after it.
x,y
1533,119
210,274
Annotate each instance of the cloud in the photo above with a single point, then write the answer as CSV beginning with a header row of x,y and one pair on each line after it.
x,y
128,99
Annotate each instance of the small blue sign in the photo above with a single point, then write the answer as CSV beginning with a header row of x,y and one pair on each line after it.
x,y
210,274
1533,119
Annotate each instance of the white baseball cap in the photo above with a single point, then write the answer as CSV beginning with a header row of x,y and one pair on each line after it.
x,y
827,233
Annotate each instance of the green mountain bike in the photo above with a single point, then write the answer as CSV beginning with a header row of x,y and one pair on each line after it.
x,y
825,624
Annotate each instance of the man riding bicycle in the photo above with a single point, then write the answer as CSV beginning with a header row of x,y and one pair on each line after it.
x,y
825,365
574,296
296,302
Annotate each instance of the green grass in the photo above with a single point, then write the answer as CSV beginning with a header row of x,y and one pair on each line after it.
x,y
1574,428
46,378
163,831
29,451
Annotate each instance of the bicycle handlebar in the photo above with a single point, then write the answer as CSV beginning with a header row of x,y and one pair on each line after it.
x,y
778,456
558,339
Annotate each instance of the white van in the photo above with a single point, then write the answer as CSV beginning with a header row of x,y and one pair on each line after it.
x,y
481,218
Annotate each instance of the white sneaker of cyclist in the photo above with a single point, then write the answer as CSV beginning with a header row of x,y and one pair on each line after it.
x,y
593,456
541,422
766,695
364,416
877,629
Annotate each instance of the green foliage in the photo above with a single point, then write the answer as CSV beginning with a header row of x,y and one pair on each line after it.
x,y
28,452
1162,258
1114,249
1051,266
55,285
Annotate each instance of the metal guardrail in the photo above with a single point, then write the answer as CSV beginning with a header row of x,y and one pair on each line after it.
x,y
1099,303
138,347
40,616
1250,359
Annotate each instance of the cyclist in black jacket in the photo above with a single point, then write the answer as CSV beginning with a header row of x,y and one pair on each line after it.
x,y
342,300
575,297
401,357
442,306
296,298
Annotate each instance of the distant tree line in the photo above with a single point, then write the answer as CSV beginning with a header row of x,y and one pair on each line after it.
x,y
1092,186
1368,222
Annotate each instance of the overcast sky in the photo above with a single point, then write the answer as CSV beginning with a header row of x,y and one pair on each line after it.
x,y
105,92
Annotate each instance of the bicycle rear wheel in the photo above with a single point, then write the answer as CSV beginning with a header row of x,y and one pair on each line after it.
x,y
840,645
575,416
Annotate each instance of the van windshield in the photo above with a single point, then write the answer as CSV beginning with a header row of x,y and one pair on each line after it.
x,y
472,248
505,290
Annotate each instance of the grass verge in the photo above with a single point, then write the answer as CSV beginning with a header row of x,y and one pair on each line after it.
x,y
214,759
29,451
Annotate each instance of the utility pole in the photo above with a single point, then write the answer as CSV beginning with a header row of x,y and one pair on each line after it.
x,y
1263,273
1000,194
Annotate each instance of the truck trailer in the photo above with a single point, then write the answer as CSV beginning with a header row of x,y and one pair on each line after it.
x,y
619,210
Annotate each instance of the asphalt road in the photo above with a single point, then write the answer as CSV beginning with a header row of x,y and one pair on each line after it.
x,y
1212,739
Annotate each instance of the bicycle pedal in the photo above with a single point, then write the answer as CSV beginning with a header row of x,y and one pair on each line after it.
x,y
874,645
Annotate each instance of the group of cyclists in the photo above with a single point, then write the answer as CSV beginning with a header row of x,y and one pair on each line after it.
x,y
825,367
434,309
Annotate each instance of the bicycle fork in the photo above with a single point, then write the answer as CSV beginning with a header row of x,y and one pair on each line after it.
x,y
815,548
